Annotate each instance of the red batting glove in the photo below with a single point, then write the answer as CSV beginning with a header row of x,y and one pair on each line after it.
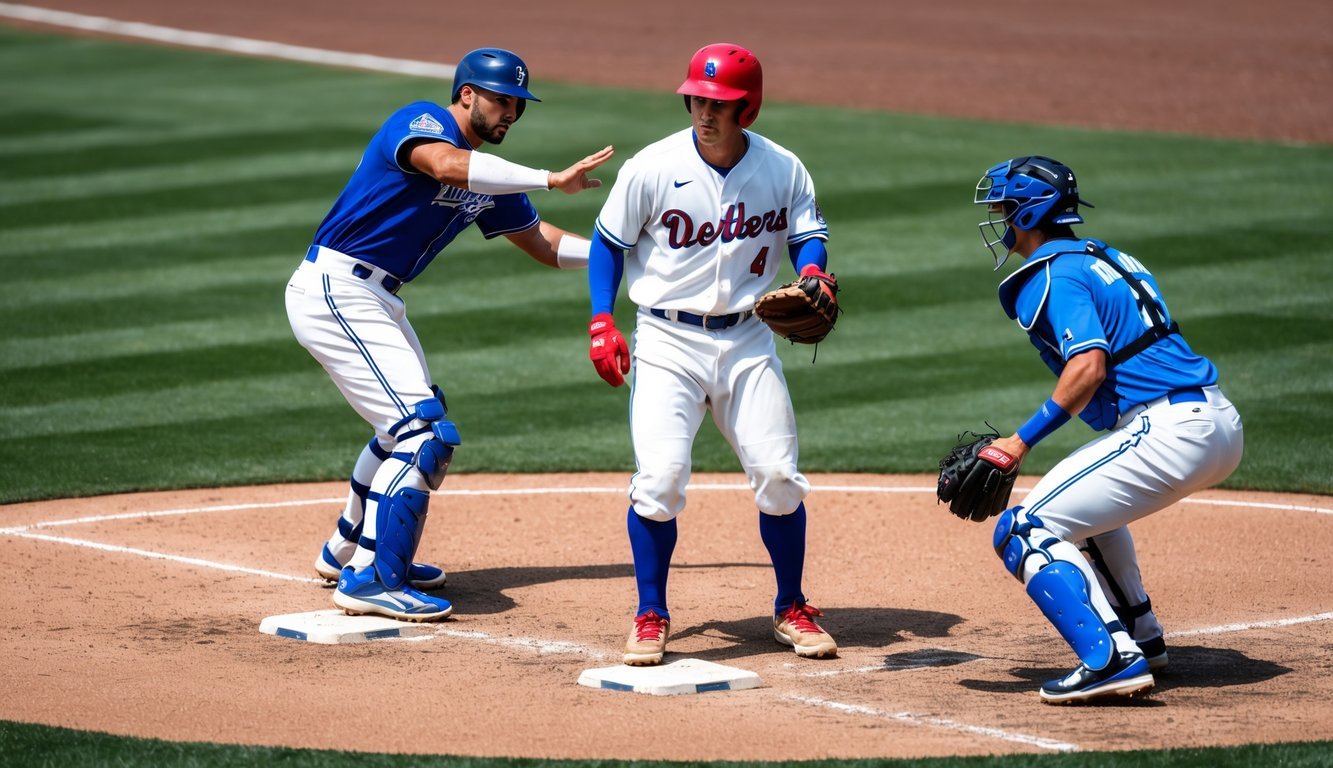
x,y
609,352
813,270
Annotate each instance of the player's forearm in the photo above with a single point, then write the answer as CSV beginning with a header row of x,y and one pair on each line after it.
x,y
1079,381
606,266
1078,384
808,252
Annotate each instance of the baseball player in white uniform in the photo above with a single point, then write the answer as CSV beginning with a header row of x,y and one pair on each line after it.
x,y
698,222
419,184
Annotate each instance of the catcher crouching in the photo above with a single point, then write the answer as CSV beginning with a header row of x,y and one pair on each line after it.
x,y
1100,323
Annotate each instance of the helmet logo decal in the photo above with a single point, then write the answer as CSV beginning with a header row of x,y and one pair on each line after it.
x,y
520,74
710,69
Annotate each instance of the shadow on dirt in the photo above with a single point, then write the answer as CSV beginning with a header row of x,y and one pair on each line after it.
x,y
874,627
482,591
1191,667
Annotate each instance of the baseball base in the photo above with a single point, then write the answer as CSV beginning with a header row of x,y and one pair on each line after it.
x,y
333,627
678,677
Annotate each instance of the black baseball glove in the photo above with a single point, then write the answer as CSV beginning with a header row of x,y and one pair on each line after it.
x,y
976,478
803,311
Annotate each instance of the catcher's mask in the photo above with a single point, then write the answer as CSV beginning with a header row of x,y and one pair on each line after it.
x,y
494,69
1026,192
726,72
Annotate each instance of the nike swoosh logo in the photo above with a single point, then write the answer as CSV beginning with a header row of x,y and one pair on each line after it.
x,y
680,184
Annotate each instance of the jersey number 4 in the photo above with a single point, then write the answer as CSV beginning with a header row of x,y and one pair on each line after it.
x,y
760,261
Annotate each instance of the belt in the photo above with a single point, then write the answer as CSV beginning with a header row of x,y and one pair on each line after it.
x,y
711,322
359,270
1186,395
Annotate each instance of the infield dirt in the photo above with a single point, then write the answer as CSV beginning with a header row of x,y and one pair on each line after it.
x,y
131,626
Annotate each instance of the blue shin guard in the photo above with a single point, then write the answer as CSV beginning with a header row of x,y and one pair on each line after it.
x,y
399,532
1060,590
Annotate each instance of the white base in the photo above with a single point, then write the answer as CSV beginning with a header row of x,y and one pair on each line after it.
x,y
333,627
678,677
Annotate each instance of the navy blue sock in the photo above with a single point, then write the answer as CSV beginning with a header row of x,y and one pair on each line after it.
x,y
652,543
784,536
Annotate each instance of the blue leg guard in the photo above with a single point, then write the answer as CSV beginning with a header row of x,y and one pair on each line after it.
x,y
399,532
1061,592
1012,544
1056,585
432,457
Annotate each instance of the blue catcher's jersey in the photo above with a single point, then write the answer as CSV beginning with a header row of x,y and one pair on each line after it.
x,y
399,219
1070,301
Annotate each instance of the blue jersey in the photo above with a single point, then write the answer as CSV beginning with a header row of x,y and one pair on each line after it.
x,y
1070,301
399,219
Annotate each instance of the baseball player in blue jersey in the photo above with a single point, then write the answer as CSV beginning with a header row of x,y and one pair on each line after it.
x,y
418,185
1098,319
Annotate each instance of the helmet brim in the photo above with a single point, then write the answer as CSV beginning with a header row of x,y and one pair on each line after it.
x,y
711,90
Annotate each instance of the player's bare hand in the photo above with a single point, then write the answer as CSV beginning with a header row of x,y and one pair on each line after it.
x,y
575,179
1014,446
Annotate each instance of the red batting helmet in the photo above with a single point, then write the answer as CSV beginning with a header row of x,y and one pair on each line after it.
x,y
726,72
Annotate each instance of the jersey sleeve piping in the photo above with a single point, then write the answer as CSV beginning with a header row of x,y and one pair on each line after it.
x,y
496,233
821,234
612,238
1085,346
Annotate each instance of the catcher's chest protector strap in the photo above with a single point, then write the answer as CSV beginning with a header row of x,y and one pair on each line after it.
x,y
1159,330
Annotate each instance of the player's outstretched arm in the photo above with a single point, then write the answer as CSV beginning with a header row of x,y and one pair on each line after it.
x,y
491,175
575,178
552,246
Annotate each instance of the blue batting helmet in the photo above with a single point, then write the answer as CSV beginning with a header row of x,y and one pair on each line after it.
x,y
494,69
1026,192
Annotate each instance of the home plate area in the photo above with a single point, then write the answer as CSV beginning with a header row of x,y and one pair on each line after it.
x,y
678,677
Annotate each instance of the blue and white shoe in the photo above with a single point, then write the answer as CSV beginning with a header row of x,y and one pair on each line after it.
x,y
419,575
1127,675
359,592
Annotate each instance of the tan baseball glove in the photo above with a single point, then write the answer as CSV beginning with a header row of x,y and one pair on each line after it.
x,y
803,311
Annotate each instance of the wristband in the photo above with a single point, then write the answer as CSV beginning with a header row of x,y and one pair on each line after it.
x,y
572,253
1048,418
491,175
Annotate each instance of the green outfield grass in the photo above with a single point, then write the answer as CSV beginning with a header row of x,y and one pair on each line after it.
x,y
153,203
30,746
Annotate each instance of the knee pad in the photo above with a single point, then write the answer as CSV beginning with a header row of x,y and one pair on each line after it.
x,y
401,519
439,438
1014,540
1060,590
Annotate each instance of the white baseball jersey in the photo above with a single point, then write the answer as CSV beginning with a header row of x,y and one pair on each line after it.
x,y
702,242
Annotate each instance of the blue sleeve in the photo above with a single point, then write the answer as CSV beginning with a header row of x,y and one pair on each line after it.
x,y
606,266
508,214
1048,356
808,252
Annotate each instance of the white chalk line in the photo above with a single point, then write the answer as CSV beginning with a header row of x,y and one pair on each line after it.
x,y
1246,626
159,556
227,43
936,722
544,646
268,49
